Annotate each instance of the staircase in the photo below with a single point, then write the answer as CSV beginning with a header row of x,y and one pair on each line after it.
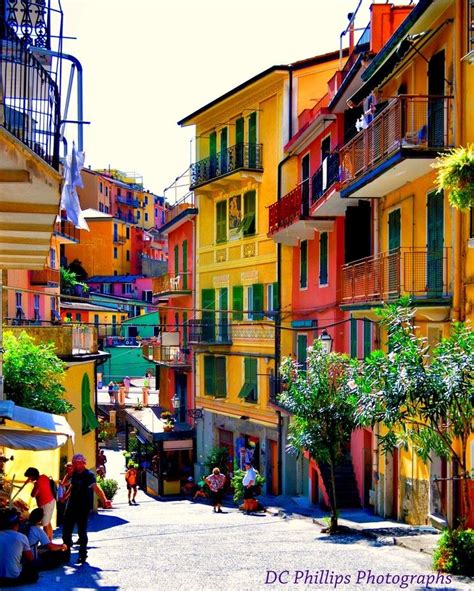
x,y
347,495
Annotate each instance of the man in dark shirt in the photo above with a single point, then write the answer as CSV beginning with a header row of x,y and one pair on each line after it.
x,y
79,504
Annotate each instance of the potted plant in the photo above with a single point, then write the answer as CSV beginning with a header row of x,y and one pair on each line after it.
x,y
456,176
168,426
166,416
109,486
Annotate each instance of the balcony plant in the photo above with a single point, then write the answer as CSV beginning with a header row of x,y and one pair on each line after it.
x,y
456,176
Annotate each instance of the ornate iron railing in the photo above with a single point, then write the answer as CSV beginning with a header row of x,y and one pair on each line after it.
x,y
30,104
418,272
208,331
248,156
325,177
416,122
30,21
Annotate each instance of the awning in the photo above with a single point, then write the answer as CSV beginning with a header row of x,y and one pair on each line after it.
x,y
25,428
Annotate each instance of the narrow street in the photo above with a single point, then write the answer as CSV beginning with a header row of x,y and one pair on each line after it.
x,y
177,543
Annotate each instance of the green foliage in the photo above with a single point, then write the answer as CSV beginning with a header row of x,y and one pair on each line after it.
x,y
109,486
238,487
133,444
455,552
69,280
218,458
132,464
107,431
456,176
34,374
323,405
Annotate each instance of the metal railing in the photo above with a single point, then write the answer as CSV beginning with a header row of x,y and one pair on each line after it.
x,y
287,210
418,272
126,217
30,20
325,177
46,276
187,202
417,122
116,239
209,331
84,339
30,104
67,229
171,282
172,355
244,155
68,338
128,201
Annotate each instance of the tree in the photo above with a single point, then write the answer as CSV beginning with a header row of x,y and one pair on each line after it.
x,y
422,400
323,405
34,374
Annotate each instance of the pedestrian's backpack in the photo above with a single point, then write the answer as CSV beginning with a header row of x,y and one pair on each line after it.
x,y
54,488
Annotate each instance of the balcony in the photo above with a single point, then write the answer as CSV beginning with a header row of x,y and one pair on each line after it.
x,y
172,285
416,272
68,339
325,189
126,217
289,219
179,213
152,267
209,332
30,107
168,356
116,239
128,201
46,277
66,232
239,157
397,147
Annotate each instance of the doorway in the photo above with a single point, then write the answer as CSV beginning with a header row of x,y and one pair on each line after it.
x,y
436,75
181,384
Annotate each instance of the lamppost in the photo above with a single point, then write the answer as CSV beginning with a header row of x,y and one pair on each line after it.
x,y
176,402
326,341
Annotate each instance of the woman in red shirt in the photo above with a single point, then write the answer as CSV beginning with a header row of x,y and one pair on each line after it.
x,y
44,498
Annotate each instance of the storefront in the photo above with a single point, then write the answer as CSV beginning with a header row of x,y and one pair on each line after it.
x,y
165,457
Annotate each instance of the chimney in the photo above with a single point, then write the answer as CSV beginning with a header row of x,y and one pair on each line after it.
x,y
384,21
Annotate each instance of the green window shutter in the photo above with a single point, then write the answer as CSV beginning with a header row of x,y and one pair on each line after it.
x,y
253,128
176,260
367,337
89,420
394,229
248,221
249,388
303,264
209,375
185,264
301,350
353,326
221,381
276,289
212,144
257,304
238,302
221,221
323,258
239,130
208,298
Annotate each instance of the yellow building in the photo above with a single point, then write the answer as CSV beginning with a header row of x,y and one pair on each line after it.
x,y
239,144
419,86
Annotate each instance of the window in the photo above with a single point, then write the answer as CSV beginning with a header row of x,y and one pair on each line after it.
x,y
471,233
115,252
127,255
257,304
127,288
215,379
221,221
184,266
237,302
54,310
248,221
138,214
115,232
367,337
106,209
106,191
36,307
20,314
100,187
114,325
176,321
272,297
106,288
119,192
96,320
101,206
147,295
249,302
249,390
129,194
78,317
353,348
323,258
145,199
52,258
301,350
127,232
146,217
303,264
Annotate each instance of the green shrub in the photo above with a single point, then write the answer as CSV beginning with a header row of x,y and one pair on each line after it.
x,y
456,175
107,431
455,552
109,486
218,458
237,485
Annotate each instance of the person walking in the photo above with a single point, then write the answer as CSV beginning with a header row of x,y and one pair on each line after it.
x,y
79,504
248,481
216,482
131,477
126,385
110,388
101,460
44,497
116,392
16,564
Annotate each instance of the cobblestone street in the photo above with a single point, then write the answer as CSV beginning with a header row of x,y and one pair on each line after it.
x,y
173,544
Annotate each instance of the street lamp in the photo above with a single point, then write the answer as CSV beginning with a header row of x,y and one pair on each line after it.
x,y
326,341
176,402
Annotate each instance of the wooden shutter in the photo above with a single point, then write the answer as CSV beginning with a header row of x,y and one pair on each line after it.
x,y
221,221
367,337
252,141
220,376
276,288
184,282
176,260
208,299
323,258
301,350
303,264
394,229
238,302
239,142
435,241
209,375
212,144
257,304
251,377
248,223
353,337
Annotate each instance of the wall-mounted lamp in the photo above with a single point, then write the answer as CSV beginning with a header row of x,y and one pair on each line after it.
x,y
326,341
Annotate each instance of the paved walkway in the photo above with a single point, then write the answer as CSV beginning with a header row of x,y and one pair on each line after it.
x,y
168,544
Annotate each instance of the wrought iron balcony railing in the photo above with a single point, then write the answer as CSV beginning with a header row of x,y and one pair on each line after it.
x,y
325,177
30,104
30,20
239,156
171,282
46,276
289,209
414,122
208,331
418,272
128,201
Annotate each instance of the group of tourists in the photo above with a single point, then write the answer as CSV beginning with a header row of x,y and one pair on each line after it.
x,y
24,553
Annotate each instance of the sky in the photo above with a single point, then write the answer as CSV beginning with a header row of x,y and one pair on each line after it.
x,y
149,63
